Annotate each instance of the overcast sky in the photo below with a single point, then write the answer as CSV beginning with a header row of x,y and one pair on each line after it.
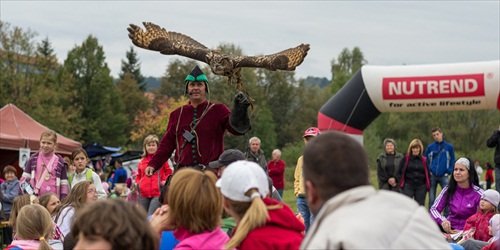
x,y
387,32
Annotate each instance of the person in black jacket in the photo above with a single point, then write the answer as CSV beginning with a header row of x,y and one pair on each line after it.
x,y
413,175
388,166
494,141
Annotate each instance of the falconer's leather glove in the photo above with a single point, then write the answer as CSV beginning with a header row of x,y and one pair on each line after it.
x,y
239,119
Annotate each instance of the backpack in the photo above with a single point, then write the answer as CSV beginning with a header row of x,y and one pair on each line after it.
x,y
88,174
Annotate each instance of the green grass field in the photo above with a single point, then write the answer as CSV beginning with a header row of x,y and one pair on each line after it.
x,y
289,197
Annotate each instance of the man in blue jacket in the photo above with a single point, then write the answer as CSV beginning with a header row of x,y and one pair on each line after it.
x,y
440,159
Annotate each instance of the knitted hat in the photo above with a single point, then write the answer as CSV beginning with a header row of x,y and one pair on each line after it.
x,y
196,76
492,196
312,131
241,176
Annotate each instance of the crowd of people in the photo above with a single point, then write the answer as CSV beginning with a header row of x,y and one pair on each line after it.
x,y
190,193
465,208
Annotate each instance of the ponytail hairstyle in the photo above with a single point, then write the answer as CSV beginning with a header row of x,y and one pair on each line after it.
x,y
34,223
253,215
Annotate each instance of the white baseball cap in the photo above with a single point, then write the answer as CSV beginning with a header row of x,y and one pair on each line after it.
x,y
241,176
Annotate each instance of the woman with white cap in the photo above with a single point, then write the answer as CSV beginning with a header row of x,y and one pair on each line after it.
x,y
262,223
461,196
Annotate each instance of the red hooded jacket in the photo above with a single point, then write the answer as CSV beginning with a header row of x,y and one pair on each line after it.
x,y
282,230
149,186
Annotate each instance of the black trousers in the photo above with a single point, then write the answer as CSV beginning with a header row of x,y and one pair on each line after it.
x,y
416,192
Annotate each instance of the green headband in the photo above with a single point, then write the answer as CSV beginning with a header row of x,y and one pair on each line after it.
x,y
200,78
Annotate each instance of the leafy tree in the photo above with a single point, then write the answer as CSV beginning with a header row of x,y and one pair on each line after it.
x,y
133,98
316,81
347,63
102,118
263,127
17,50
29,80
155,121
172,83
133,66
54,89
280,91
304,111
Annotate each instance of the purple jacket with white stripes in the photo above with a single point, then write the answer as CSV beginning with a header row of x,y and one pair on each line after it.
x,y
461,206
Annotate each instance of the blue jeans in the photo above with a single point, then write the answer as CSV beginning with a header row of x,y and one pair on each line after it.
x,y
305,212
443,182
280,191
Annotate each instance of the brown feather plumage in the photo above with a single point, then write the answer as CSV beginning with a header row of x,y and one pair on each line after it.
x,y
172,43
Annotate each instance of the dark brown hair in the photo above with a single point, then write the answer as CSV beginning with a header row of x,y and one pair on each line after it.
x,y
126,226
77,152
9,168
438,129
335,162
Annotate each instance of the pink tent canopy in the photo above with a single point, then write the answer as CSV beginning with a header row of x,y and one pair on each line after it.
x,y
19,130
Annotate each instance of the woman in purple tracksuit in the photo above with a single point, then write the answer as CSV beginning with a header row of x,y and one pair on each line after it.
x,y
462,196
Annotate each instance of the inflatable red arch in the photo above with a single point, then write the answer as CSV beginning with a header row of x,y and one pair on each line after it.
x,y
416,88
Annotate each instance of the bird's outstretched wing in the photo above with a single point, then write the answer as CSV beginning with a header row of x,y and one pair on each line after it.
x,y
284,60
167,42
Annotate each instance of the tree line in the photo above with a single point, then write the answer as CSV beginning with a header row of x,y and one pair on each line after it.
x,y
80,99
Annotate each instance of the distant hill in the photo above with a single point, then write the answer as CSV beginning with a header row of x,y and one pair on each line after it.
x,y
316,81
153,83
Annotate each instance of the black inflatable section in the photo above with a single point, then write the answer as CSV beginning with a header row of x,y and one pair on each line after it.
x,y
343,105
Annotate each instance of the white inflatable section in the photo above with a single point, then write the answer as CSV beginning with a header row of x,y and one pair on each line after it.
x,y
358,138
438,87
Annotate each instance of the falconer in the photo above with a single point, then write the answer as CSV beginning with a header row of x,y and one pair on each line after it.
x,y
196,130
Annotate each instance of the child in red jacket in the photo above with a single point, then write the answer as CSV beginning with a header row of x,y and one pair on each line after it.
x,y
489,175
262,223
480,220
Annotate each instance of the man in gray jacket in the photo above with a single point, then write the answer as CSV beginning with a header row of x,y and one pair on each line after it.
x,y
349,212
